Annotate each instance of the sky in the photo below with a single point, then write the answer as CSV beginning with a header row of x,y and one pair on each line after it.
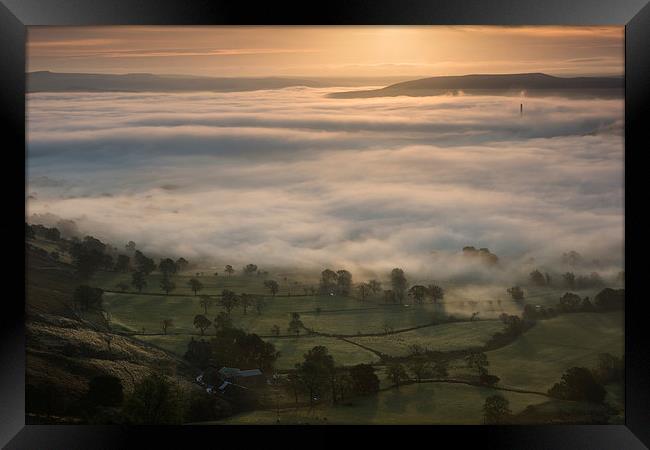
x,y
294,178
411,51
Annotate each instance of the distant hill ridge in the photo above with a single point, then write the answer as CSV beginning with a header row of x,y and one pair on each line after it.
x,y
497,83
46,81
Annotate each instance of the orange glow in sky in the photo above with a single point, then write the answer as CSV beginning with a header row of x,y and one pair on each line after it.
x,y
328,50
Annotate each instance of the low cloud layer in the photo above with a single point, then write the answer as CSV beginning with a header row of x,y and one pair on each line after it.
x,y
291,178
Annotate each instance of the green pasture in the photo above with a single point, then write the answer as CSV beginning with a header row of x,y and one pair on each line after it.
x,y
426,403
445,337
537,359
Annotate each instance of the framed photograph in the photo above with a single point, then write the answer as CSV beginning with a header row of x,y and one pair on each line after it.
x,y
407,218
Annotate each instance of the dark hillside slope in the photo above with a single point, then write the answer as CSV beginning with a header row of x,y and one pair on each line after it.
x,y
66,348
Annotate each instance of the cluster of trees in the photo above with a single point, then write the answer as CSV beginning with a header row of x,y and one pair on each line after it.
x,y
295,324
366,289
339,282
478,362
538,278
52,234
579,384
229,300
606,300
318,377
232,347
154,400
514,327
496,410
419,293
592,280
516,293
89,255
483,254
86,297
583,384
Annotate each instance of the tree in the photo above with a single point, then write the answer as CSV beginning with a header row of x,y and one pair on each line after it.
x,y
201,322
477,361
295,325
609,369
516,293
364,379
142,263
138,281
396,373
167,285
569,280
88,256
250,269
419,366
610,299
537,278
167,267
272,286
228,300
417,293
166,324
205,302
87,297
105,390
587,306
122,263
363,289
389,296
344,282
195,285
29,231
572,258
328,282
130,246
122,286
316,371
246,300
435,293
578,383
222,322
570,301
374,286
294,382
181,264
440,369
229,270
154,401
260,304
398,282
496,410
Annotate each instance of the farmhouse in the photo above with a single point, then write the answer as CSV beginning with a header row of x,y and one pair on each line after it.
x,y
246,378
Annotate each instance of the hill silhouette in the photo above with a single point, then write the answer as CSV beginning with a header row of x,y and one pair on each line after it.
x,y
501,84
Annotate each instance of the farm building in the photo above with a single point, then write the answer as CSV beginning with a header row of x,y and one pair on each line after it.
x,y
247,378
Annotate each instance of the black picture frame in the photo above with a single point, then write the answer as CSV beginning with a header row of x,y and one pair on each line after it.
x,y
15,15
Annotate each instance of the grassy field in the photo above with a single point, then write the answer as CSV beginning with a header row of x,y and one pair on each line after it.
x,y
291,349
212,285
537,359
344,353
338,315
446,337
426,403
